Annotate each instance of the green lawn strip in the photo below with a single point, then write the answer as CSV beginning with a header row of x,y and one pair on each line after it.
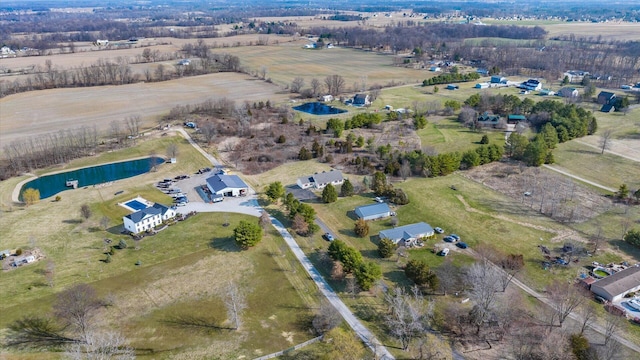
x,y
447,135
605,169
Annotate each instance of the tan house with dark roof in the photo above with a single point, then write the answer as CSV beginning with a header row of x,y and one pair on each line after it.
x,y
615,287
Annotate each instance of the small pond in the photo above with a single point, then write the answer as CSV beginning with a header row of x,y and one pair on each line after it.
x,y
50,185
318,108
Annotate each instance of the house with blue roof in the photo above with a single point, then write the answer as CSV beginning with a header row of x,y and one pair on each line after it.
x,y
227,185
148,218
373,211
408,234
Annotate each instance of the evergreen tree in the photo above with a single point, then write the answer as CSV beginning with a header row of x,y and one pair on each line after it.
x,y
275,191
346,189
535,153
366,274
485,139
550,135
329,194
361,228
304,154
386,248
247,234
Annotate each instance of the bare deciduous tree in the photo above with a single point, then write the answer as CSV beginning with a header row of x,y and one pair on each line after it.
x,y
316,87
172,150
565,298
133,125
101,345
587,313
76,307
265,221
484,280
297,84
605,140
49,272
335,84
235,303
404,318
104,222
85,211
352,287
208,130
405,169
326,318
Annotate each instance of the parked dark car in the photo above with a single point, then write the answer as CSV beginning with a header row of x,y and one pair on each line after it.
x,y
462,245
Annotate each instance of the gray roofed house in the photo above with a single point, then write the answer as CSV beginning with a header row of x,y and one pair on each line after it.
x,y
408,233
361,100
321,180
605,97
148,218
373,211
615,287
227,185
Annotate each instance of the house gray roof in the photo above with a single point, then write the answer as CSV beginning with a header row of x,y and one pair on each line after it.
x,y
373,209
360,98
407,232
619,282
606,108
221,182
326,177
156,209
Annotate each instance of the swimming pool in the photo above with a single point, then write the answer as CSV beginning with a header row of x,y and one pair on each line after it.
x,y
136,205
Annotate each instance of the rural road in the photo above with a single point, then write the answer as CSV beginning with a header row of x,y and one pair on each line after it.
x,y
579,178
249,205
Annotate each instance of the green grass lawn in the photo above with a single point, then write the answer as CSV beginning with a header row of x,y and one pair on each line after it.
x,y
447,135
605,169
183,273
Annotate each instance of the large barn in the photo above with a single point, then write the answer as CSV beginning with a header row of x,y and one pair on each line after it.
x,y
227,185
408,234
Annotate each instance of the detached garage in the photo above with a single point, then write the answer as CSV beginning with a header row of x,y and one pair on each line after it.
x,y
373,211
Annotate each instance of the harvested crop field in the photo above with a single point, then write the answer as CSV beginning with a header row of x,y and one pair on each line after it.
x,y
64,108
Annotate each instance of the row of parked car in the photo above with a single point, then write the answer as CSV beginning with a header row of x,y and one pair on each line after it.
x,y
451,238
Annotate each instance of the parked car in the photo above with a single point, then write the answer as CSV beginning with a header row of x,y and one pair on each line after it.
x,y
181,204
455,237
449,239
438,230
379,199
462,245
444,252
329,237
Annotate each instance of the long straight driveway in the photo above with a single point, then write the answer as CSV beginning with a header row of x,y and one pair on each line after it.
x,y
363,333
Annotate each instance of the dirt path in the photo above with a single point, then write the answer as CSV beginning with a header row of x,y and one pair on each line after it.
x,y
578,178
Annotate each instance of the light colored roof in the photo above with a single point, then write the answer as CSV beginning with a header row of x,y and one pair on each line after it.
x,y
373,209
619,282
221,182
326,177
407,232
306,179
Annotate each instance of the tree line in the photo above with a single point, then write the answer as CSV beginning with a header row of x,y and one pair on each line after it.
x,y
451,78
119,72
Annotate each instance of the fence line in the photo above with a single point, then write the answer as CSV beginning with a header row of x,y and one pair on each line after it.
x,y
293,348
